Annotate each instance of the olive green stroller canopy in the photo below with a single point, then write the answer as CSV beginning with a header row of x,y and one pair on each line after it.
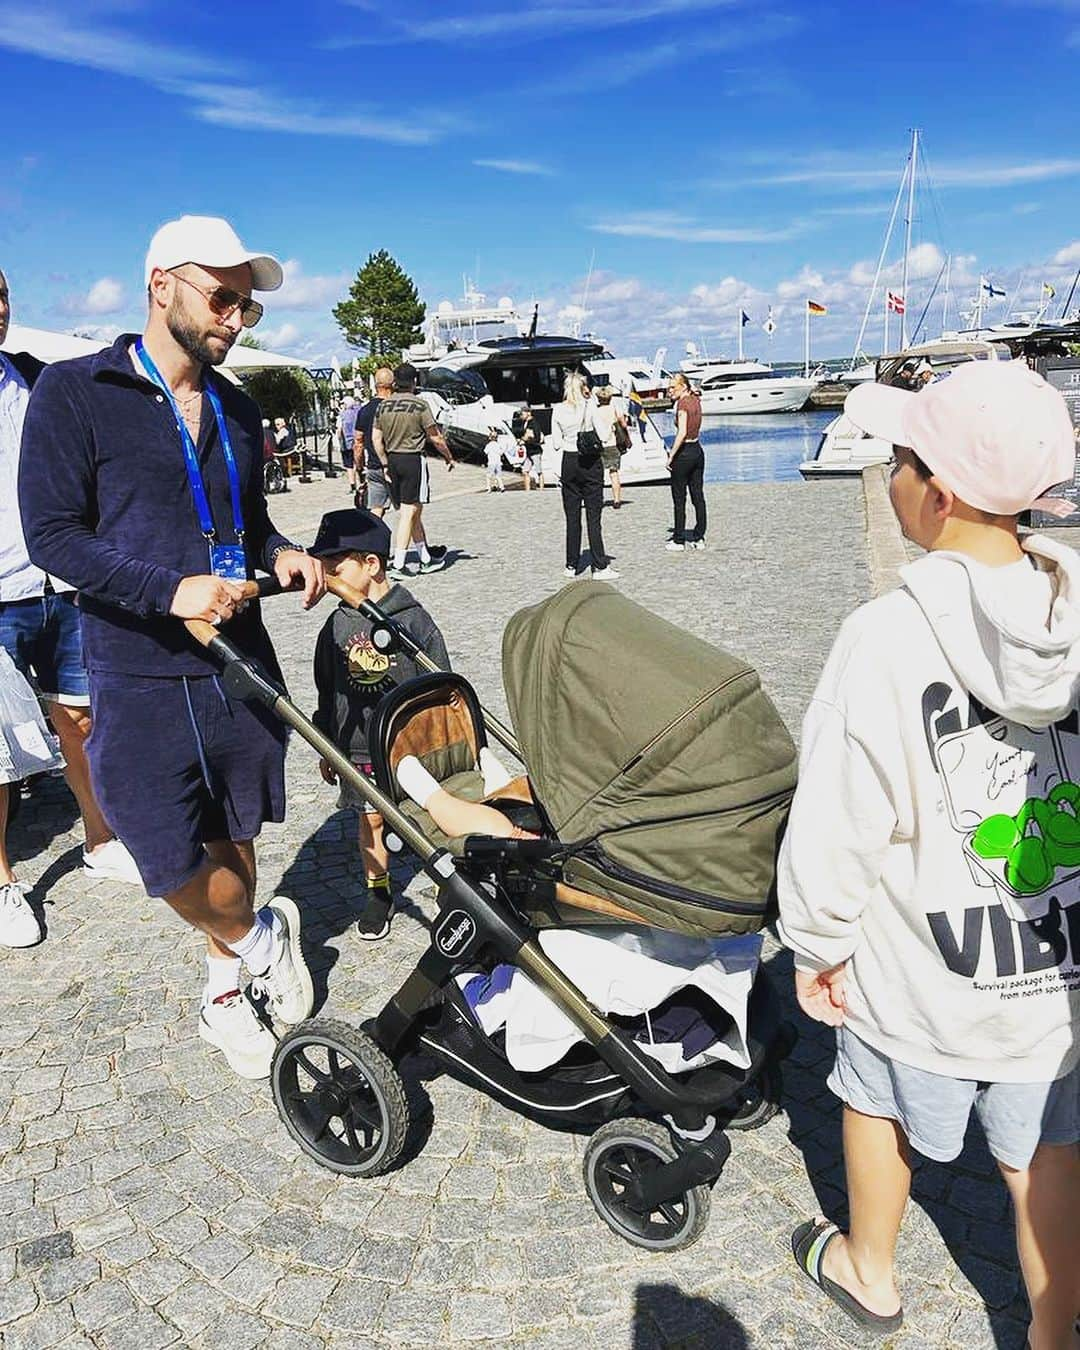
x,y
658,748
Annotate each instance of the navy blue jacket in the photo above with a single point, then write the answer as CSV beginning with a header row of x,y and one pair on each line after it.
x,y
106,504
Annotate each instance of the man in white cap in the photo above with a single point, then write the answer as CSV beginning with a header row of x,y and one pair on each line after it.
x,y
929,880
141,483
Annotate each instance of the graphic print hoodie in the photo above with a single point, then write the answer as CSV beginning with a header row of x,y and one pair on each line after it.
x,y
352,675
934,840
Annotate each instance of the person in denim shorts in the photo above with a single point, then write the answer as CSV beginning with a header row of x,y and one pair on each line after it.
x,y
39,629
928,880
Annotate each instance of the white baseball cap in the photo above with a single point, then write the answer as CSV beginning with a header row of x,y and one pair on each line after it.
x,y
209,241
994,432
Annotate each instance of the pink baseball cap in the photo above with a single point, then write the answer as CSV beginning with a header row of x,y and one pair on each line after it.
x,y
994,432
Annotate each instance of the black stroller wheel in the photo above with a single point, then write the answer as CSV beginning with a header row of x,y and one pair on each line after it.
x,y
759,1100
623,1150
340,1098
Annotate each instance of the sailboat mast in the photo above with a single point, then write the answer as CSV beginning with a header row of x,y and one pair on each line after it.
x,y
738,329
912,164
945,302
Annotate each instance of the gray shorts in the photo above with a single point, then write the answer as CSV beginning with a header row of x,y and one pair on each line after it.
x,y
933,1110
378,489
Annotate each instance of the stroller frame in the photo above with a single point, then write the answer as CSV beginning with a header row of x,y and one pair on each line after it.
x,y
645,1173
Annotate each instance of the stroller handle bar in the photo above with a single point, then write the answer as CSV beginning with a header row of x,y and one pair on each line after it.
x,y
203,631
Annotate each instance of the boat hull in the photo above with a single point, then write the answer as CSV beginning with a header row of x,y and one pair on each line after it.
x,y
756,396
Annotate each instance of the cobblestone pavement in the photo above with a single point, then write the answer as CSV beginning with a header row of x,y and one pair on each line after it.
x,y
148,1198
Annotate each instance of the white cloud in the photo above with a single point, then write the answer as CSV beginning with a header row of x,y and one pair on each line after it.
x,y
105,296
833,171
809,280
690,230
308,292
531,21
1068,255
589,77
522,166
97,332
214,88
251,109
278,339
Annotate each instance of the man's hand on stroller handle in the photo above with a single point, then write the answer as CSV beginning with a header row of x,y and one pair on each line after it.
x,y
328,773
293,567
209,598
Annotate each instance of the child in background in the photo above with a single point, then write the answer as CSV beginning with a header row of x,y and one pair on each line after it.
x,y
928,882
351,676
494,453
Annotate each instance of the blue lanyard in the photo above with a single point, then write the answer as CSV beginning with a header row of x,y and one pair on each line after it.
x,y
191,456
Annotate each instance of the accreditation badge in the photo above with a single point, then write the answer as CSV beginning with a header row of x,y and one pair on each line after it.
x,y
229,562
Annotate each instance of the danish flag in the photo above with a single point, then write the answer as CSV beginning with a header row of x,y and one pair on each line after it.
x,y
896,302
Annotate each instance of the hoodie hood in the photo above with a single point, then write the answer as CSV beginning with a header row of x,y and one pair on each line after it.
x,y
1020,661
397,600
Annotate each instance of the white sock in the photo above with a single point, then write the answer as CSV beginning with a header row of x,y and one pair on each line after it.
x,y
425,556
399,558
256,947
222,977
495,774
415,780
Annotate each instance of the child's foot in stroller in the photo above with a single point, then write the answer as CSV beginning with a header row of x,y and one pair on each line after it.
x,y
286,983
374,923
231,1025
817,1244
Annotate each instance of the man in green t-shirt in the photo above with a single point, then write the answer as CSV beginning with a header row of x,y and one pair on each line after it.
x,y
404,427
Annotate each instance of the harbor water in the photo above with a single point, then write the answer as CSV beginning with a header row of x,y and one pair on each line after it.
x,y
758,448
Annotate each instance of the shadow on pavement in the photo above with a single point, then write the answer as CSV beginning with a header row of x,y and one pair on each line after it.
x,y
665,1316
965,1200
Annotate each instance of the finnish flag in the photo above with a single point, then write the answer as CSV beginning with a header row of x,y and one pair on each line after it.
x,y
991,290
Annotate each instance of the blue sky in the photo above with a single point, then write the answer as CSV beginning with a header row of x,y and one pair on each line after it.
x,y
711,153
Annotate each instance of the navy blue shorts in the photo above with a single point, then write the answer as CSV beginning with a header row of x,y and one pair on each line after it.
x,y
175,764
43,637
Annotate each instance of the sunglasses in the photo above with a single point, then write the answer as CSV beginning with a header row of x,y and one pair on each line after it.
x,y
224,302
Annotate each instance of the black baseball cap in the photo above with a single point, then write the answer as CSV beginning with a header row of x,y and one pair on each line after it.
x,y
405,376
351,531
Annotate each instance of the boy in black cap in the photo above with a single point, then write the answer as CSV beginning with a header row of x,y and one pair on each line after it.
x,y
351,676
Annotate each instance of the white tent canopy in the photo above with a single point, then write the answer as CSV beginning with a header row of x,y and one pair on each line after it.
x,y
49,347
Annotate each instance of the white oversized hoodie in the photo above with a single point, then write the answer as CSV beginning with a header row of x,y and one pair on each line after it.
x,y
934,840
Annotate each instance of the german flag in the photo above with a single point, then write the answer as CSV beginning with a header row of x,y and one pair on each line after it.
x,y
812,307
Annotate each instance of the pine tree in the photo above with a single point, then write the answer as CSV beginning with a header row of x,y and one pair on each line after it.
x,y
383,312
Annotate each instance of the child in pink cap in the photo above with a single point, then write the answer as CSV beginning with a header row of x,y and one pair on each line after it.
x,y
930,876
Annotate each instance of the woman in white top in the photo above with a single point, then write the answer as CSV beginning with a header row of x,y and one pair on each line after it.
x,y
582,475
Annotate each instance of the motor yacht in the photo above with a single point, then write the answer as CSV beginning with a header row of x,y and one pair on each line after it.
x,y
481,385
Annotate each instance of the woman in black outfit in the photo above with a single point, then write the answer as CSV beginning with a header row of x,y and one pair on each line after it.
x,y
582,475
687,464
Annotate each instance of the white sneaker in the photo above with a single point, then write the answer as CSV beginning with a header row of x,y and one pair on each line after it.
x,y
673,547
605,574
287,984
697,543
570,571
111,862
231,1024
19,925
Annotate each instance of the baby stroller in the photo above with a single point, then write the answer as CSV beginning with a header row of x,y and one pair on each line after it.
x,y
665,815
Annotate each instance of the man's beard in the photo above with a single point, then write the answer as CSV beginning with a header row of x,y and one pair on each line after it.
x,y
192,338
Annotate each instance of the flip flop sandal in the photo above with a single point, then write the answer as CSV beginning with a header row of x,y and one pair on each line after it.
x,y
808,1244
